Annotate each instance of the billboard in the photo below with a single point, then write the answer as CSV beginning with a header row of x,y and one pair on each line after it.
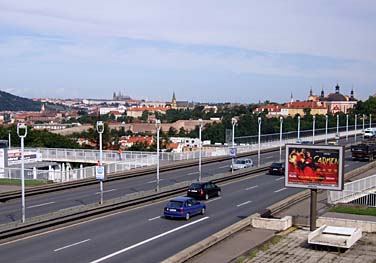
x,y
314,166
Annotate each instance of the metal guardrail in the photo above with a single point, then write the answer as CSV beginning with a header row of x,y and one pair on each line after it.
x,y
359,192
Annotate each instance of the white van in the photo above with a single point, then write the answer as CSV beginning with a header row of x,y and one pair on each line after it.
x,y
369,132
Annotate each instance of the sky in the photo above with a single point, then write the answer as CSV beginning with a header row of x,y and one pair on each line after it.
x,y
205,50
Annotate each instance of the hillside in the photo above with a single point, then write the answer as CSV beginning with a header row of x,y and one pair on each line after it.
x,y
9,102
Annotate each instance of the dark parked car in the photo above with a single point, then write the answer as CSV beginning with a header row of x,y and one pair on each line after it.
x,y
203,190
277,168
183,207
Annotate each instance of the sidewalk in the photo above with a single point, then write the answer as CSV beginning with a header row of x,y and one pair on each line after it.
x,y
292,247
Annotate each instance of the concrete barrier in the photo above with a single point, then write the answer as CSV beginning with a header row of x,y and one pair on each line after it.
x,y
277,224
365,226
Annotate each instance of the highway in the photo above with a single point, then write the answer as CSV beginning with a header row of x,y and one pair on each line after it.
x,y
54,201
142,235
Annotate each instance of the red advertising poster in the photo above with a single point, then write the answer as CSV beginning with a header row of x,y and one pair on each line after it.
x,y
314,166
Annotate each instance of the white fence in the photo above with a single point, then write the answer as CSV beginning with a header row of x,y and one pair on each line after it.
x,y
114,162
360,192
65,173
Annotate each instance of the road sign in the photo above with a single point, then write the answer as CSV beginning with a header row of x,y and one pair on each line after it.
x,y
99,172
232,152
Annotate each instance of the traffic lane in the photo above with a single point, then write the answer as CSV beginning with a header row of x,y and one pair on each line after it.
x,y
130,224
37,205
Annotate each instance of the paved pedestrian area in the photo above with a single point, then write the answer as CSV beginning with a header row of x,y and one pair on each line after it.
x,y
293,248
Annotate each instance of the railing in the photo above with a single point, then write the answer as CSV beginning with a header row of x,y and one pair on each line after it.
x,y
128,160
360,192
65,173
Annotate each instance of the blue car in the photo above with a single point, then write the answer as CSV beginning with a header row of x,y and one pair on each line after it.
x,y
183,207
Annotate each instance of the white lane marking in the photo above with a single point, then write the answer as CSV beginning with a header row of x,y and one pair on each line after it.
x,y
279,179
32,206
226,166
107,191
71,245
252,187
154,181
212,200
154,218
280,190
147,240
239,205
269,157
347,165
193,173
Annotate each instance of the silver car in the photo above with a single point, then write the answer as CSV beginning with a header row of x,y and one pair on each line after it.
x,y
241,163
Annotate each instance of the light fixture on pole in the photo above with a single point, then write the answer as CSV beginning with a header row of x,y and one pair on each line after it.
x,y
259,141
299,128
22,135
313,128
233,122
370,120
364,117
356,126
200,152
100,130
347,127
326,129
9,131
337,133
158,127
280,137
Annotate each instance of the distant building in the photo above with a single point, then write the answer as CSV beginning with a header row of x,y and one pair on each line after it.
x,y
180,105
299,107
120,96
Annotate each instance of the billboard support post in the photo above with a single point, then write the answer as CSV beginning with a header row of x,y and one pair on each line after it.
x,y
313,212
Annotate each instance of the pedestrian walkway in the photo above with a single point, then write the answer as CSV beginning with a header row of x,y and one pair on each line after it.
x,y
294,248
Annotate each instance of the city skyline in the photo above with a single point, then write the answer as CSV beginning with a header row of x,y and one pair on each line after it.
x,y
243,51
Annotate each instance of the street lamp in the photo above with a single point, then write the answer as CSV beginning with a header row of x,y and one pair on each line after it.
x,y
233,122
100,130
199,156
280,138
326,129
313,129
364,116
370,120
299,128
347,127
158,127
22,135
9,138
259,141
356,126
337,134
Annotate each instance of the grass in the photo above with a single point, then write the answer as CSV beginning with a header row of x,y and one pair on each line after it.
x,y
356,210
18,182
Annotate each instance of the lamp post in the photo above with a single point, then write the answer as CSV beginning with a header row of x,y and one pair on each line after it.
x,y
347,127
100,130
356,126
259,141
313,128
233,122
364,116
370,120
280,138
199,156
158,127
22,135
9,138
299,128
326,129
337,133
